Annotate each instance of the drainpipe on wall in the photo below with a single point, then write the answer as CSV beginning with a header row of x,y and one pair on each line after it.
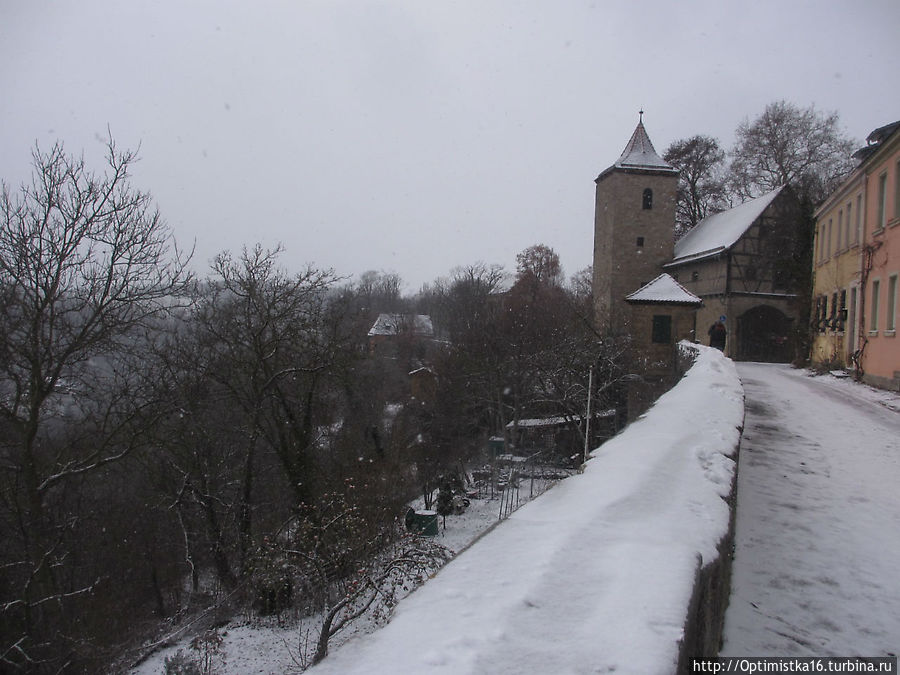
x,y
866,260
730,322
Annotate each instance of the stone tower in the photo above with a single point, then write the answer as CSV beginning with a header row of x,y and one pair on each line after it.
x,y
634,220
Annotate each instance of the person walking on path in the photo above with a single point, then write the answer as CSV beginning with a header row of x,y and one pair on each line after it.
x,y
717,335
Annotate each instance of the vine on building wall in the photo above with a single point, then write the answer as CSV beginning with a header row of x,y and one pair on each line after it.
x,y
868,260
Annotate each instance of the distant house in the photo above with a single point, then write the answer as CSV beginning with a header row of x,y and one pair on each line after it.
x,y
391,330
559,436
741,264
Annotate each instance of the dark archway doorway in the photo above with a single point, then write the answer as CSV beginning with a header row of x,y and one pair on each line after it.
x,y
764,335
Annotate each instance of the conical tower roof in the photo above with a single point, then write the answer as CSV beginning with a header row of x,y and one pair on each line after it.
x,y
640,155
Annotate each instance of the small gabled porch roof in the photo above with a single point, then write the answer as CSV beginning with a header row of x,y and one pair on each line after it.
x,y
664,290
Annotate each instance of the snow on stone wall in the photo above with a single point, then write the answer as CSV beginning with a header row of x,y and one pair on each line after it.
x,y
598,575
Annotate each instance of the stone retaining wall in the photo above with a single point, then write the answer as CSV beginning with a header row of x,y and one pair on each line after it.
x,y
705,618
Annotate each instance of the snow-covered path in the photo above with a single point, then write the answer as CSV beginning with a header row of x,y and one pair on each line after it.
x,y
818,520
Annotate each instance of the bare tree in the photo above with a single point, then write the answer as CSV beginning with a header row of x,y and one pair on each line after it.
x,y
539,264
378,590
463,301
787,144
197,468
481,276
525,352
581,292
338,559
86,265
276,339
701,181
380,291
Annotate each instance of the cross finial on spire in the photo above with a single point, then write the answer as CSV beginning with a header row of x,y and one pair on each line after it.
x,y
641,113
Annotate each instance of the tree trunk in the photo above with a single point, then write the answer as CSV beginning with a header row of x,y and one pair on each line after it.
x,y
223,568
325,632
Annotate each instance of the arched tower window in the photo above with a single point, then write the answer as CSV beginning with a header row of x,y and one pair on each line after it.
x,y
648,199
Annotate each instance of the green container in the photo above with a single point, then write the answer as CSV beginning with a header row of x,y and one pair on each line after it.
x,y
496,445
422,522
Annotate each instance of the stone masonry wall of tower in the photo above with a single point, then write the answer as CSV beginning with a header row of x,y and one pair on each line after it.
x,y
631,243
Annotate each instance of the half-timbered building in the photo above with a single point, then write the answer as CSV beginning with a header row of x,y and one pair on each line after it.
x,y
743,264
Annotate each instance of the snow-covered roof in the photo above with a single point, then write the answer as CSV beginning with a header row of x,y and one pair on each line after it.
x,y
555,421
640,155
720,231
394,324
882,133
875,140
664,289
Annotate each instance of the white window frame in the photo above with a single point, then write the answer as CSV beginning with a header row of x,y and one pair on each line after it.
x,y
839,246
897,190
891,308
853,303
859,219
820,243
873,311
849,218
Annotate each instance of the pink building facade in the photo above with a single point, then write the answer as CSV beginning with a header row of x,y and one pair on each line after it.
x,y
856,263
880,261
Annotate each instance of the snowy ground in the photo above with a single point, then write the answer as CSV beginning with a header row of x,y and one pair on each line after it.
x,y
818,519
594,576
271,646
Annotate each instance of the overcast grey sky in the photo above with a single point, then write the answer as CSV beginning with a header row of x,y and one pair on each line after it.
x,y
415,136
